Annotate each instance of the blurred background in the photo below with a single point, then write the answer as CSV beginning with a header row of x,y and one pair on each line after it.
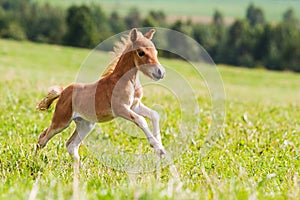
x,y
45,43
253,34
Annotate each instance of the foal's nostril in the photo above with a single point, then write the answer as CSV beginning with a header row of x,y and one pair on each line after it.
x,y
159,72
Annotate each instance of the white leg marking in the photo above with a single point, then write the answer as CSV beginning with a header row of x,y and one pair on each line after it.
x,y
83,128
143,110
140,121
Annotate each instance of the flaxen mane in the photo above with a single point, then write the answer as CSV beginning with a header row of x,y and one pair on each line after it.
x,y
119,48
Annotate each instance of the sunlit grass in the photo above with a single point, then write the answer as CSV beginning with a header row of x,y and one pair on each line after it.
x,y
257,157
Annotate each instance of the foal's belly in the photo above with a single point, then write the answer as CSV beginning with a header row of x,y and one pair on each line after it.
x,y
91,105
94,112
103,118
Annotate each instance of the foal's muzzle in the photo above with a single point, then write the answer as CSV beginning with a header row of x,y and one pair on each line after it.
x,y
159,73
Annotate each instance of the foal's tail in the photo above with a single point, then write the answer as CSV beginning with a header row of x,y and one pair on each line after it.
x,y
54,93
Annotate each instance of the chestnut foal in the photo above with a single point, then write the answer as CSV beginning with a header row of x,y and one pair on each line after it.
x,y
117,94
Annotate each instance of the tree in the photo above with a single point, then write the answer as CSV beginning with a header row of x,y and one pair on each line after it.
x,y
116,23
218,19
133,18
155,19
11,18
218,37
289,16
240,44
13,5
158,16
179,44
263,42
149,21
45,23
255,15
206,35
14,31
101,21
81,29
287,41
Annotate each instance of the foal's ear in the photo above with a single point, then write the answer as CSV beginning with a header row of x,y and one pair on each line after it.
x,y
133,35
150,34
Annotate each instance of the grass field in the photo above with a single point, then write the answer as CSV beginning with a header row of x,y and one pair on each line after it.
x,y
194,9
257,158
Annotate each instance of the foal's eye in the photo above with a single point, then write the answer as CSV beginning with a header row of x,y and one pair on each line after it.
x,y
141,53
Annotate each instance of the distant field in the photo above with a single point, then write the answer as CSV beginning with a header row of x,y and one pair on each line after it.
x,y
194,9
257,157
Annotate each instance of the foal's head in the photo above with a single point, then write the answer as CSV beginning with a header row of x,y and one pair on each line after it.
x,y
145,54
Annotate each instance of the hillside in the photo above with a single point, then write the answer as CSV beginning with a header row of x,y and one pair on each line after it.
x,y
256,155
63,63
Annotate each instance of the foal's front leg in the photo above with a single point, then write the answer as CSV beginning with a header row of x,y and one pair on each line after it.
x,y
143,110
140,121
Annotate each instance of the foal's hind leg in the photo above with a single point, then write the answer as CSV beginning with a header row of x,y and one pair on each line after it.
x,y
83,128
61,119
52,130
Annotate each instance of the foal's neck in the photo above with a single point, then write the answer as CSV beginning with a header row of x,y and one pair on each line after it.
x,y
126,68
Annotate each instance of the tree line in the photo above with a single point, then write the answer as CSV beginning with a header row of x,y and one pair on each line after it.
x,y
248,42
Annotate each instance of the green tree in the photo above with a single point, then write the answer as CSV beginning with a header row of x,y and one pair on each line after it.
x,y
81,29
116,23
45,23
133,18
263,42
289,16
241,43
149,21
255,15
177,43
11,15
218,36
154,18
287,40
9,28
13,5
159,16
101,21
218,19
14,31
206,35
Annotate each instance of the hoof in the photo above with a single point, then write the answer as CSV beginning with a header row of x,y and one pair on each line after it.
x,y
37,148
40,146
161,152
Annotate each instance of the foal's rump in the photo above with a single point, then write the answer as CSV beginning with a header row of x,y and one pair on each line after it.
x,y
80,100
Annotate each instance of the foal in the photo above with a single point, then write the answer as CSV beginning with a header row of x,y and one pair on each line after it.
x,y
117,94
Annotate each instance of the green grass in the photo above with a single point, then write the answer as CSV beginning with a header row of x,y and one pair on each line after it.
x,y
258,156
273,10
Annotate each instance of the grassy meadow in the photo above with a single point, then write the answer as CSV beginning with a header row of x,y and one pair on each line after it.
x,y
257,157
